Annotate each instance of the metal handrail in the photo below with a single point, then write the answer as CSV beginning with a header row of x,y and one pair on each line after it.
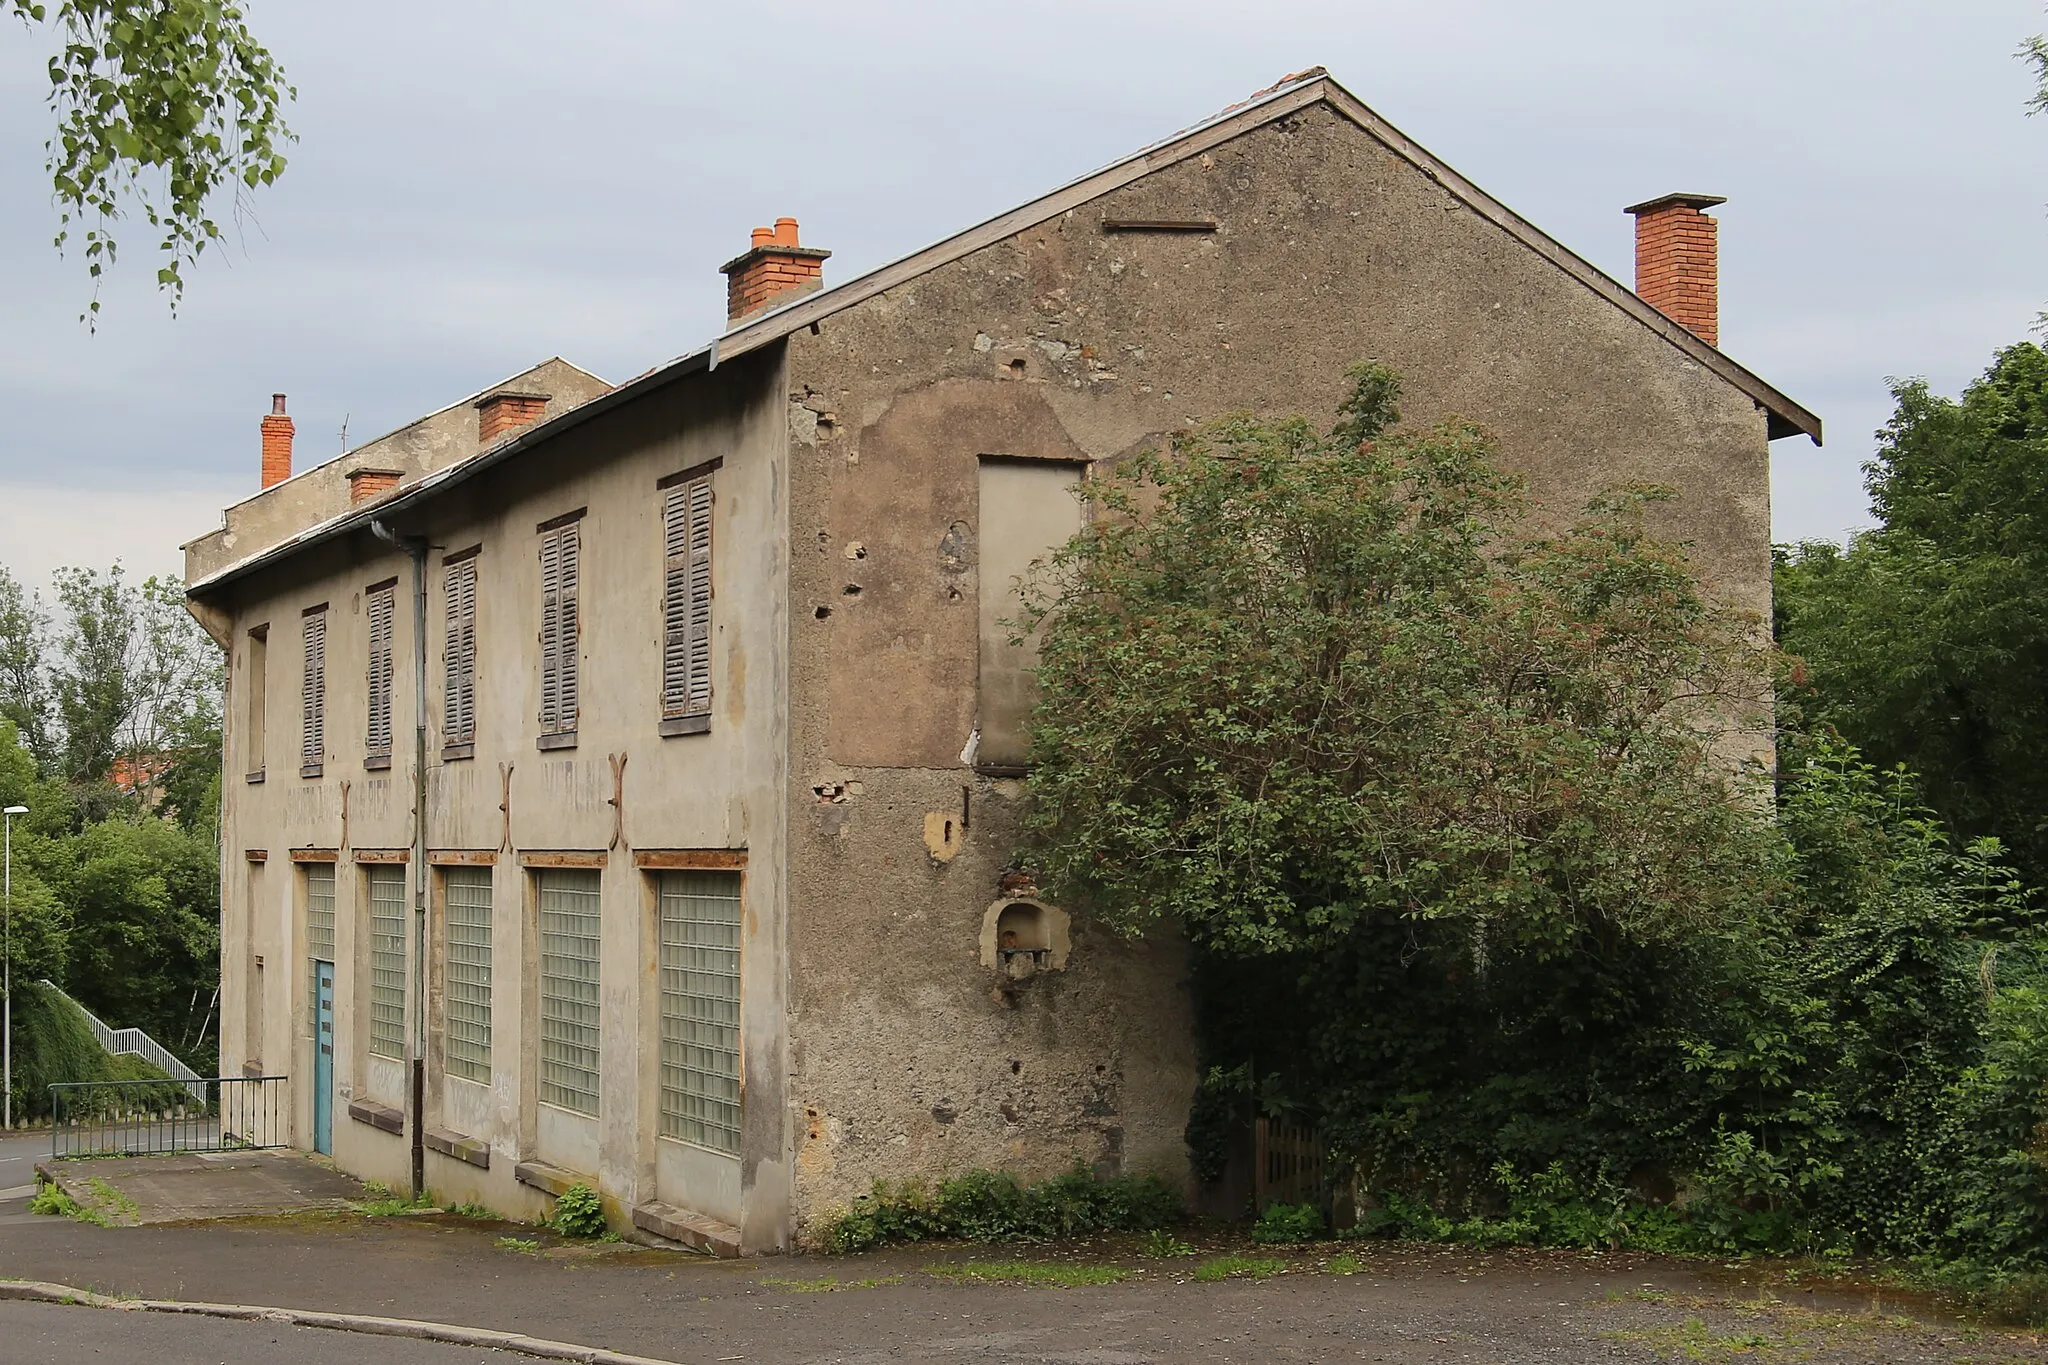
x,y
141,1118
133,1042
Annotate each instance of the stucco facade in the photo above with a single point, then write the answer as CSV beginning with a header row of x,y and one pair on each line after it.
x,y
889,455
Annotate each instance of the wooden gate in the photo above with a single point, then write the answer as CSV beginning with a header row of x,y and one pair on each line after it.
x,y
1287,1166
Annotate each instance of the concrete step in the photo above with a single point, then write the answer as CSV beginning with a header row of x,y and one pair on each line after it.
x,y
691,1229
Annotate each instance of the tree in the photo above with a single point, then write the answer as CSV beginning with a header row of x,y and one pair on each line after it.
x,y
1925,641
24,691
161,104
1297,684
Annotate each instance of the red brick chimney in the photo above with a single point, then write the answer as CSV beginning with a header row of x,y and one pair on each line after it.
x,y
1678,261
772,271
498,413
364,484
277,443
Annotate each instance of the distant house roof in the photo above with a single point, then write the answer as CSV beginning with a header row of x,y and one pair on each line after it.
x,y
1297,92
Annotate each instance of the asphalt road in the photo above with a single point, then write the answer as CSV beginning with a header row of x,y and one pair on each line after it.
x,y
53,1334
18,1156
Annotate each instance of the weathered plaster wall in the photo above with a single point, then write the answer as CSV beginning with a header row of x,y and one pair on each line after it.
x,y
715,791
1068,341
321,490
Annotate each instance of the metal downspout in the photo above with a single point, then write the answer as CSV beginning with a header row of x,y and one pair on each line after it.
x,y
416,547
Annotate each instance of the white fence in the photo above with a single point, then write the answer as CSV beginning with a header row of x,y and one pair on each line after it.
x,y
135,1043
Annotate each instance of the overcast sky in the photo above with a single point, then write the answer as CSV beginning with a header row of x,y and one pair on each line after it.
x,y
481,185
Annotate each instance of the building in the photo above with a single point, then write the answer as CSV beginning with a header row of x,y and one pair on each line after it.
x,y
711,904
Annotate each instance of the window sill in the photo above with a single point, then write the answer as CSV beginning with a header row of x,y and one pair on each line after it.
x,y
382,1117
377,763
451,752
311,769
565,740
686,725
254,777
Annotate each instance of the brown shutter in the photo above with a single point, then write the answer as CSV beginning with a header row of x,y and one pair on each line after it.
x,y
313,694
559,563
458,719
380,609
566,623
686,600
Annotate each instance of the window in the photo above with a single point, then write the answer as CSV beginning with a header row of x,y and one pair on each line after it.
x,y
387,959
466,984
253,675
686,604
1028,509
560,553
379,605
700,1008
568,988
458,656
319,930
313,695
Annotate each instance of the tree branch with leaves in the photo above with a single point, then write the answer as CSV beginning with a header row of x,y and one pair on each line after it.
x,y
161,105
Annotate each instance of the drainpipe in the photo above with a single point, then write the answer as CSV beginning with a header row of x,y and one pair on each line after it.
x,y
416,547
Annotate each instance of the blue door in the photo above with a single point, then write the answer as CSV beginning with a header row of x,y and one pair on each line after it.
x,y
323,1057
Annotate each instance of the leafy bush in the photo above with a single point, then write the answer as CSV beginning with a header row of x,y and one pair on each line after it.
x,y
1288,1224
989,1206
579,1213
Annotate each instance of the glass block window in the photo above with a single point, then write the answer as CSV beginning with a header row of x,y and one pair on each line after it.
x,y
700,1008
319,931
466,988
568,988
387,960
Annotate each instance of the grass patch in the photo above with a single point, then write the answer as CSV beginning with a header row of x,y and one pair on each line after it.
x,y
1233,1267
1768,1331
107,1198
481,1212
1030,1272
1345,1265
392,1207
829,1285
517,1244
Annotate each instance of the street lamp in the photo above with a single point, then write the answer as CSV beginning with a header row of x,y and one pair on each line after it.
x,y
7,972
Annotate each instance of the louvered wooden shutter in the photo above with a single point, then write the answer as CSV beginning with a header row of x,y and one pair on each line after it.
x,y
559,563
686,600
458,705
313,694
380,608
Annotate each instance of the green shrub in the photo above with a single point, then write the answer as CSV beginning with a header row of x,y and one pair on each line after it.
x,y
989,1206
579,1213
1288,1224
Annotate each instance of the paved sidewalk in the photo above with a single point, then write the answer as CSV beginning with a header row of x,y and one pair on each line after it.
x,y
1401,1304
50,1334
129,1190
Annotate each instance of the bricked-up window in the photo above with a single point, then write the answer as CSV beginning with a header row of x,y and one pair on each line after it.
x,y
313,695
254,676
458,657
379,606
560,562
387,960
686,603
466,985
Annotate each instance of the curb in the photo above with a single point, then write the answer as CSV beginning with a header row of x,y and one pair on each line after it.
x,y
37,1291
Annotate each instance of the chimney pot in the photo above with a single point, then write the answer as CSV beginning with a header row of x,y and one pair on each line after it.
x,y
277,443
776,268
1678,261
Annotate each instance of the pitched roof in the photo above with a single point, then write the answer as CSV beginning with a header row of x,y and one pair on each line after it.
x,y
1292,94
